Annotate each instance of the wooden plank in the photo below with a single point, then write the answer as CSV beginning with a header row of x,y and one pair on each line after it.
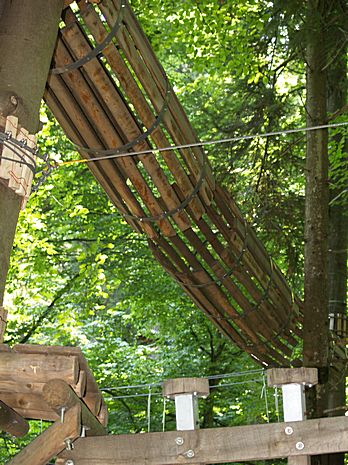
x,y
5,348
299,460
90,105
141,105
64,351
11,422
302,375
38,368
122,118
73,122
51,441
216,445
150,84
6,165
175,386
186,132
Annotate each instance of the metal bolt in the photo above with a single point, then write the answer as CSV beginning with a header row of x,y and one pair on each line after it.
x,y
69,462
68,444
190,454
179,441
288,430
299,445
14,100
62,413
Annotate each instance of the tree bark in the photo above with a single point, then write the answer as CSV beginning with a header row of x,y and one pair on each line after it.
x,y
317,195
338,227
28,32
315,327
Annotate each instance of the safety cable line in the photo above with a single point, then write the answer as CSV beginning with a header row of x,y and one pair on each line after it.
x,y
128,396
113,153
209,377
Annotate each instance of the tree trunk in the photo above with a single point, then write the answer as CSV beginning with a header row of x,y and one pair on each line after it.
x,y
28,32
315,327
338,228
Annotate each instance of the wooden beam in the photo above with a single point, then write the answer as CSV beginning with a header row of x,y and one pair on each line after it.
x,y
38,368
51,441
218,445
11,422
58,394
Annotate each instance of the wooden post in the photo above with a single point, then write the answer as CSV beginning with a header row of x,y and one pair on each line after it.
x,y
185,392
293,382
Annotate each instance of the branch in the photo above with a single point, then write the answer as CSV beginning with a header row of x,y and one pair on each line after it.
x,y
36,323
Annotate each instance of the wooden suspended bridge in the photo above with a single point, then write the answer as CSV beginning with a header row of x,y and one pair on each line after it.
x,y
112,97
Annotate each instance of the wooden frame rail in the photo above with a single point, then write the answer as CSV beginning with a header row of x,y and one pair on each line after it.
x,y
218,445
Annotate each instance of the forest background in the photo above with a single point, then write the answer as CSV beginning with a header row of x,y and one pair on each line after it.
x,y
80,276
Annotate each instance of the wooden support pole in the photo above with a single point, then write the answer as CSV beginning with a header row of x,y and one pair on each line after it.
x,y
293,382
52,441
59,395
11,422
215,445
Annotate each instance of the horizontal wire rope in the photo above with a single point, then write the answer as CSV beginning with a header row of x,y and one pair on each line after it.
x,y
199,144
209,377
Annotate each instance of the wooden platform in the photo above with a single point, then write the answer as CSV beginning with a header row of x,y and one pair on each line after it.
x,y
25,369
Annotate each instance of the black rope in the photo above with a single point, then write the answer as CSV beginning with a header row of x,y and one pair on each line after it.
x,y
264,296
97,50
180,207
228,273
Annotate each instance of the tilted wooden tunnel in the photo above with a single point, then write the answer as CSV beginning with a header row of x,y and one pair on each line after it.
x,y
111,96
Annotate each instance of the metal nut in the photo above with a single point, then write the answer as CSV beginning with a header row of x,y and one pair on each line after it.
x,y
288,430
299,445
190,454
179,441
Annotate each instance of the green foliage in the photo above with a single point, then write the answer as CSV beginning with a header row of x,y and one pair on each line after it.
x,y
80,276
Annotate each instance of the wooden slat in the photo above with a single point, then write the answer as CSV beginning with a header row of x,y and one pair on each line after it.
x,y
216,445
140,66
141,105
92,108
302,375
122,117
104,171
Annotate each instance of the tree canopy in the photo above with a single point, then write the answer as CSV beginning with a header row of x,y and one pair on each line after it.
x,y
80,276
